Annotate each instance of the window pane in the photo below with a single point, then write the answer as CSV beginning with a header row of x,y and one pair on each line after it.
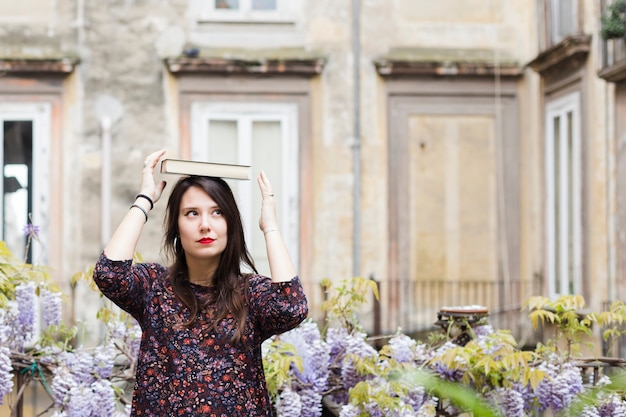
x,y
17,177
223,147
222,141
263,4
227,4
267,155
566,17
266,150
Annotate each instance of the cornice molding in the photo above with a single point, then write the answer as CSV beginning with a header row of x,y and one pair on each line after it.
x,y
446,62
273,62
53,66
614,73
573,49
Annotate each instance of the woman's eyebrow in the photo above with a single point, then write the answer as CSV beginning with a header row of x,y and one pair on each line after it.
x,y
198,207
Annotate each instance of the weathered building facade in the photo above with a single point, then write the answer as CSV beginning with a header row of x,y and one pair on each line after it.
x,y
458,151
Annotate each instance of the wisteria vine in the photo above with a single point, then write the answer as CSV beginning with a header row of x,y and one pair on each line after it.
x,y
309,368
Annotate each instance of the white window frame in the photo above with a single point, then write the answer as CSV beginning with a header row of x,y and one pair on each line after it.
x,y
40,115
245,13
245,114
559,108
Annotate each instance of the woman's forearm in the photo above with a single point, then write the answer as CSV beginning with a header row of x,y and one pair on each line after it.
x,y
123,243
281,267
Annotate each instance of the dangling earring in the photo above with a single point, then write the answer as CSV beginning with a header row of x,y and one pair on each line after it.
x,y
178,247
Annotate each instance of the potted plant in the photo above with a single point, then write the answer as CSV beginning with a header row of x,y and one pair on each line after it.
x,y
614,22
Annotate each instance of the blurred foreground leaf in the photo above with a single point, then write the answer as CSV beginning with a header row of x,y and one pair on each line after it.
x,y
461,396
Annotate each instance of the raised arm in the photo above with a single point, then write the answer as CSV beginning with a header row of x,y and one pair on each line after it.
x,y
123,243
281,267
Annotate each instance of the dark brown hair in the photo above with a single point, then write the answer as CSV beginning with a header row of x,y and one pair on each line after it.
x,y
229,295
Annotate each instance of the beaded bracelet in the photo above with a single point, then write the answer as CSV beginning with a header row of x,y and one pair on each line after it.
x,y
145,213
147,198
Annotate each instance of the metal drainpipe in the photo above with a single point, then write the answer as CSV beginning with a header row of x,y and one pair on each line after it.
x,y
105,191
356,145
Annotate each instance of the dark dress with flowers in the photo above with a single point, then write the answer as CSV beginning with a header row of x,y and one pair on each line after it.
x,y
194,371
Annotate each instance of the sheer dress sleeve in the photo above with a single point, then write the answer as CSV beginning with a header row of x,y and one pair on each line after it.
x,y
276,306
126,284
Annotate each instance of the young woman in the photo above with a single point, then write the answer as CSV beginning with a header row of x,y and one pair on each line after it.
x,y
203,319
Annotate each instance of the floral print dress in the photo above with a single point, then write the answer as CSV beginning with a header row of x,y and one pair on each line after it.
x,y
195,371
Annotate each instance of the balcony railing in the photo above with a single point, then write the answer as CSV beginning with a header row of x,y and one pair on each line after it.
x,y
412,306
613,52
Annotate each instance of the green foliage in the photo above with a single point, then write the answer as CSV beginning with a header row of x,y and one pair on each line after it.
x,y
277,360
349,296
462,396
564,313
13,272
387,394
614,23
59,336
495,362
612,321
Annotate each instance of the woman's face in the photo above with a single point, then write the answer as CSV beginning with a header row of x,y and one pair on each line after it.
x,y
202,227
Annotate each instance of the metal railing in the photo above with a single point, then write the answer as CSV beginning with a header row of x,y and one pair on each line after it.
x,y
412,306
613,50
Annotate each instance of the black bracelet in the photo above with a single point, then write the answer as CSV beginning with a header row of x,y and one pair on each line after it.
x,y
145,213
147,198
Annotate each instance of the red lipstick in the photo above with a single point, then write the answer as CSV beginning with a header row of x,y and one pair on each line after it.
x,y
206,241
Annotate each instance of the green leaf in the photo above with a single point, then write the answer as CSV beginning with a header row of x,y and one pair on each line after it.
x,y
462,396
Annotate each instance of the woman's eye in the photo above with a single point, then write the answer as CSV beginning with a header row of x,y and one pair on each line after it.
x,y
192,213
217,212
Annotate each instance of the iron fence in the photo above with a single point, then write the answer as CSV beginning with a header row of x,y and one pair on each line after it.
x,y
412,306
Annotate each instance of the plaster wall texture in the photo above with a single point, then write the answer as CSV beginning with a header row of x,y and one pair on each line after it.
x,y
121,75
120,45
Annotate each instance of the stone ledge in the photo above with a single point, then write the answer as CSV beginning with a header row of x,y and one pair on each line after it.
x,y
614,73
30,66
446,62
262,62
573,48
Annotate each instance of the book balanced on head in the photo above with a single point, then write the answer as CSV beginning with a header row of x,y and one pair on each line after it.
x,y
207,169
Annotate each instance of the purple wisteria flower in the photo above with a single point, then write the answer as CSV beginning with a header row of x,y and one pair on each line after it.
x,y
312,381
5,327
31,231
25,298
6,375
52,306
402,348
289,404
558,391
589,411
510,401
349,411
344,347
133,339
613,407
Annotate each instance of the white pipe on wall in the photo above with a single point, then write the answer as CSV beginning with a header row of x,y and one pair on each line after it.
x,y
356,145
105,191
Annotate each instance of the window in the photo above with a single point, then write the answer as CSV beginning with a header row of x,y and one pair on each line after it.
x,y
244,10
253,5
264,136
24,151
563,19
563,197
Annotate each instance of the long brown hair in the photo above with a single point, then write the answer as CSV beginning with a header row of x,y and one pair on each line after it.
x,y
229,295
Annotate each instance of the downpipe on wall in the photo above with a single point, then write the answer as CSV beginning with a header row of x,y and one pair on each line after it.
x,y
356,144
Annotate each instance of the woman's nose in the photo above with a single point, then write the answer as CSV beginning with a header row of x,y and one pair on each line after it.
x,y
205,222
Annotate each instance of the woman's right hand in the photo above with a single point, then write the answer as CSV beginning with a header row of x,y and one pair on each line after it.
x,y
148,185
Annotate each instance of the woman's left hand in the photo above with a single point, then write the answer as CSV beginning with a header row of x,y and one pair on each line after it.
x,y
268,220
